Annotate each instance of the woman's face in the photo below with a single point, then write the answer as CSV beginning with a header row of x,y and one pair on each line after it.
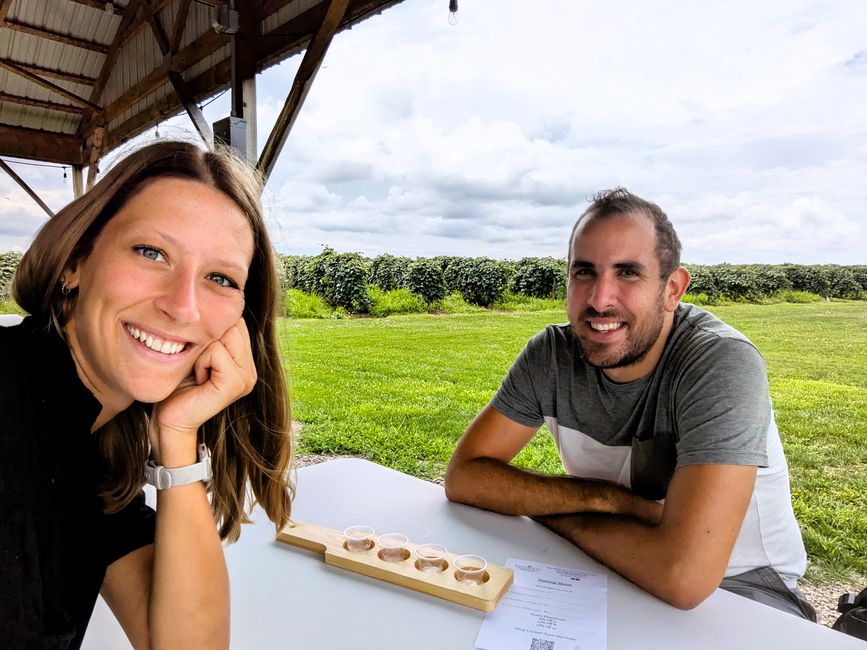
x,y
165,279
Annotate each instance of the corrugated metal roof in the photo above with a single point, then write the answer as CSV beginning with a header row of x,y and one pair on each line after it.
x,y
119,71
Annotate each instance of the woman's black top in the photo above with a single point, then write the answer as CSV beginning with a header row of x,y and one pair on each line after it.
x,y
55,540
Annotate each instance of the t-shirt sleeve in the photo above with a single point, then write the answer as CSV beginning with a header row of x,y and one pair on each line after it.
x,y
518,396
128,529
724,407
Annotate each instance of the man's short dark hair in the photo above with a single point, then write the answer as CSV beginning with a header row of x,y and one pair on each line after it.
x,y
621,201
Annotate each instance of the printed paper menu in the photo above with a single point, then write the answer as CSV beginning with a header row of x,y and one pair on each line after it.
x,y
548,608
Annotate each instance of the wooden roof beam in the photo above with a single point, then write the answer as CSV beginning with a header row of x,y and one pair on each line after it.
x,y
114,49
55,74
156,27
193,110
39,103
178,26
206,44
176,79
25,187
39,81
57,37
34,144
205,84
313,57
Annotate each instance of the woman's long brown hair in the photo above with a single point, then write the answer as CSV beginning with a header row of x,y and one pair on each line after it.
x,y
250,440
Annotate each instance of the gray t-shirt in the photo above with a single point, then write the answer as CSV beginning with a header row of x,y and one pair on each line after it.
x,y
706,402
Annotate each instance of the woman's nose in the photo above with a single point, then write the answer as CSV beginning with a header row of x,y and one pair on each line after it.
x,y
179,298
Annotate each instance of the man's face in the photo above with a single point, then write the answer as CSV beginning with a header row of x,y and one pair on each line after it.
x,y
615,297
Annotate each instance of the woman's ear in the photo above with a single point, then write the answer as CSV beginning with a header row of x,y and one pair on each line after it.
x,y
70,278
675,287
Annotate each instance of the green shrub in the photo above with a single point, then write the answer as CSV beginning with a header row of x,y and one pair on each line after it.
x,y
735,282
540,277
389,272
481,280
812,278
843,282
702,281
446,262
398,301
311,273
346,282
299,304
292,270
769,279
340,278
8,265
860,275
425,277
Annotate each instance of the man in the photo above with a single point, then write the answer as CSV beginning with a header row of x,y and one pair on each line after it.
x,y
646,399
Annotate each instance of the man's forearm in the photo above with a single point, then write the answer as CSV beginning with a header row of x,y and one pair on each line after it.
x,y
493,485
651,556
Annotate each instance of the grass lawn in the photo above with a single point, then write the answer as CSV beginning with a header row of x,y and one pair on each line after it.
x,y
401,390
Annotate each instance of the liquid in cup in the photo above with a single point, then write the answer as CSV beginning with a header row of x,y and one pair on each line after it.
x,y
393,547
470,569
431,558
358,538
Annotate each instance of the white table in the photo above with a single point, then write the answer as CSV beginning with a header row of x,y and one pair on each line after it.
x,y
283,597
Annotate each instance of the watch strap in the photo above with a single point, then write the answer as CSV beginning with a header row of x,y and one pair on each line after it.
x,y
163,478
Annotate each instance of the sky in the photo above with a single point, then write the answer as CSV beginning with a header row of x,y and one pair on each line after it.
x,y
744,121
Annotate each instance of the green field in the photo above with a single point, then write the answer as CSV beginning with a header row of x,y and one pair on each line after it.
x,y
401,390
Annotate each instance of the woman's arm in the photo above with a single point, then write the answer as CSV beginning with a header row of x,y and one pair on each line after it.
x,y
175,594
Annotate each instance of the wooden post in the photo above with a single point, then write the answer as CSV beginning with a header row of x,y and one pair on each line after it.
x,y
77,180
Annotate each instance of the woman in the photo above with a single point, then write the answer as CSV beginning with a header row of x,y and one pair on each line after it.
x,y
150,344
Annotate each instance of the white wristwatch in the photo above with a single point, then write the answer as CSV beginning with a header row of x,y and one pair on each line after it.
x,y
163,478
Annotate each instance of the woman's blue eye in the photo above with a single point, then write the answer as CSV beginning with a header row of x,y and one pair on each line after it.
x,y
222,280
149,252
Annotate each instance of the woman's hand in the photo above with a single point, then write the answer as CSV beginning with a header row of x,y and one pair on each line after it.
x,y
222,374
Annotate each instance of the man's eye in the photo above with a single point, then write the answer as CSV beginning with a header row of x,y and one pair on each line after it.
x,y
149,252
222,280
579,273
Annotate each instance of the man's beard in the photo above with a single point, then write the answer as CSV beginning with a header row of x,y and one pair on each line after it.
x,y
639,341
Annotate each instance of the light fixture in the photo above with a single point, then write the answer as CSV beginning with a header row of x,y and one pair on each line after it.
x,y
453,12
64,175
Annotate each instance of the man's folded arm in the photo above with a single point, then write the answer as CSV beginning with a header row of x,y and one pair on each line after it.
x,y
683,558
480,475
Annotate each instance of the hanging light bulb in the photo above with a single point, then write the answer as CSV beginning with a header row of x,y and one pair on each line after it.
x,y
157,133
453,12
64,175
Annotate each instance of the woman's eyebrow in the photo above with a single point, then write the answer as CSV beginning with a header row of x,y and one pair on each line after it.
x,y
220,262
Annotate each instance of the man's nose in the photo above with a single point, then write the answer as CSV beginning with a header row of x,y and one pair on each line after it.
x,y
603,294
179,298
